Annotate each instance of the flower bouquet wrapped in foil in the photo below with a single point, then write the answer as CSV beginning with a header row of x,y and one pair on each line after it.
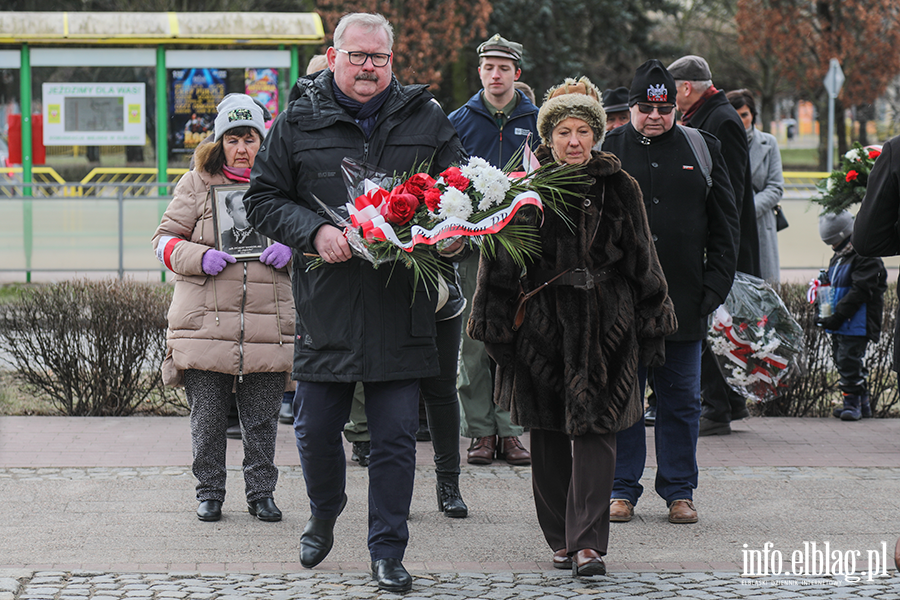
x,y
757,342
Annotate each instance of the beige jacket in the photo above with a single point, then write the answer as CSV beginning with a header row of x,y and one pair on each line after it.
x,y
240,321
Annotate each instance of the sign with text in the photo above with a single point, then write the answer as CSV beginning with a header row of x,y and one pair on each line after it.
x,y
94,114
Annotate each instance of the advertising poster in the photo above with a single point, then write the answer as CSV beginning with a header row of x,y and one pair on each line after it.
x,y
195,95
262,84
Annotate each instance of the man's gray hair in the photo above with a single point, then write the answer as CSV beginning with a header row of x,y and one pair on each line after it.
x,y
700,86
367,21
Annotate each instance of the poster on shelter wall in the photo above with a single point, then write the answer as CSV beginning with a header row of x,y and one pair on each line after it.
x,y
195,95
262,84
93,114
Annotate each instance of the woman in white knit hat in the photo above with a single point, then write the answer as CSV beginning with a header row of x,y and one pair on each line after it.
x,y
231,323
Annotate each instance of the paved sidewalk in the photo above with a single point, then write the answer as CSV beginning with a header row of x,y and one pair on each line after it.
x,y
98,504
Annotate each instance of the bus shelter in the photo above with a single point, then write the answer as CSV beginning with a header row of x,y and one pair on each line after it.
x,y
161,40
157,45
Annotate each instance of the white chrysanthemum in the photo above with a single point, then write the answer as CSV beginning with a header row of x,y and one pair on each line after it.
x,y
494,192
857,154
472,168
455,203
829,185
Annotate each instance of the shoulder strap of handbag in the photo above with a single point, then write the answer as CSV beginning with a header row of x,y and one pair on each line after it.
x,y
701,152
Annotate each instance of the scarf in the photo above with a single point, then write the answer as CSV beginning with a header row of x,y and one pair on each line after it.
x,y
365,114
706,96
239,175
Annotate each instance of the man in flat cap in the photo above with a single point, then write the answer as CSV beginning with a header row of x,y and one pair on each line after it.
x,y
694,224
493,124
705,107
615,103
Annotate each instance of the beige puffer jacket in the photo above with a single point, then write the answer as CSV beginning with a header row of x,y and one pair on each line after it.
x,y
213,324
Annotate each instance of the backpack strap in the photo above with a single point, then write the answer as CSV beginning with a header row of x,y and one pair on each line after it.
x,y
701,152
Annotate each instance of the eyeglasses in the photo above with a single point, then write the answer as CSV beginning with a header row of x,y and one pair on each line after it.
x,y
663,109
358,59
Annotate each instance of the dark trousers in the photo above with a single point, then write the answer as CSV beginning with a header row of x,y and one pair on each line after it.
x,y
572,480
442,402
392,410
848,352
719,400
258,400
677,385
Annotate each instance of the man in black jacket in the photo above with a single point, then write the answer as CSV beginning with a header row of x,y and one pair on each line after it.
x,y
695,230
354,322
704,107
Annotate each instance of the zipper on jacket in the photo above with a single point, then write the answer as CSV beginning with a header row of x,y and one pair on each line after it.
x,y
241,336
365,150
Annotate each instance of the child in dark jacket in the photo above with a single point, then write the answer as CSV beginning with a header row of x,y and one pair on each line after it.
x,y
858,285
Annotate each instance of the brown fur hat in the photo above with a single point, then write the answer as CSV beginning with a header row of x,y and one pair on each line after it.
x,y
572,98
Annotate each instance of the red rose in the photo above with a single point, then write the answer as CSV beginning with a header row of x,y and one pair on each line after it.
x,y
417,184
873,154
454,178
400,207
851,175
433,199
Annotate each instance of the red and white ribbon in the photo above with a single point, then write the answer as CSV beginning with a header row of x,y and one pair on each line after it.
x,y
813,290
376,227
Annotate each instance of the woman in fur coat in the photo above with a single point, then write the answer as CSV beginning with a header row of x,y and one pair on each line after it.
x,y
570,371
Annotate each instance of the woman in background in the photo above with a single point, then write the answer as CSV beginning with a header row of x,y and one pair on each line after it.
x,y
768,182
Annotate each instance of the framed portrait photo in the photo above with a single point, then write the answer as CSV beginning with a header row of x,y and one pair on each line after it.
x,y
234,234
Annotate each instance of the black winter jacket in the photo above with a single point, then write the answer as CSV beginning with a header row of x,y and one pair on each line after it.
x,y
718,117
695,233
876,231
354,322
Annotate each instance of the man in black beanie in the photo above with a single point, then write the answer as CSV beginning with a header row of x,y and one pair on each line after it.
x,y
694,223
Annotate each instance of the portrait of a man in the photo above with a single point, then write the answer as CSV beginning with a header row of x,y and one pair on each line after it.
x,y
236,236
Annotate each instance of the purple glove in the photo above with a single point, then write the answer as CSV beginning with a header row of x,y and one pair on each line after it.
x,y
214,261
276,255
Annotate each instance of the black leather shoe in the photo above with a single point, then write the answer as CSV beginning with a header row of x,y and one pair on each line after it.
x,y
233,432
264,509
450,501
286,413
209,510
391,575
318,538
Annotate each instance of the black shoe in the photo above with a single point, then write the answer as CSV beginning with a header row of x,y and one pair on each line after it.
x,y
318,538
264,509
423,434
233,432
210,510
741,412
710,427
286,414
390,575
450,501
650,416
360,453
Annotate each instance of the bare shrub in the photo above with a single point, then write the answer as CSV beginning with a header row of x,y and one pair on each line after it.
x,y
93,348
815,392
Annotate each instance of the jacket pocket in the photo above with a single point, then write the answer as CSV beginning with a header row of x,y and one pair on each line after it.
x,y
188,302
330,325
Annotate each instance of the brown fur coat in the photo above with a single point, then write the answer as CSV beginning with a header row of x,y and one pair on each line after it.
x,y
572,366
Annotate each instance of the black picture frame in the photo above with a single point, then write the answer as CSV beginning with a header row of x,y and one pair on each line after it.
x,y
227,201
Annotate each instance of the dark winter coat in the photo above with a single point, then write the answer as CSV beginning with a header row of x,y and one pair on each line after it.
x,y
480,135
718,117
876,230
354,322
572,366
695,232
858,284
